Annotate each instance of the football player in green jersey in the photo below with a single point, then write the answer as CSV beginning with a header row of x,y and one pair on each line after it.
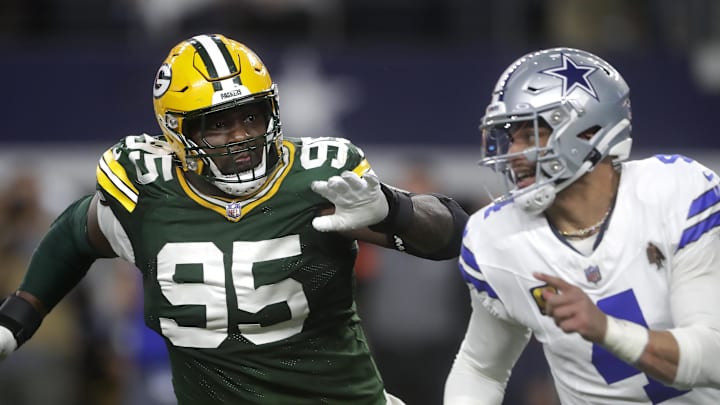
x,y
246,239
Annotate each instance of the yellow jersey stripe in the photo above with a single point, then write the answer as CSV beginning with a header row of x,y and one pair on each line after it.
x,y
118,170
362,168
111,189
119,184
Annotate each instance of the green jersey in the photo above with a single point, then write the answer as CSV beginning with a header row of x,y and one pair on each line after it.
x,y
255,305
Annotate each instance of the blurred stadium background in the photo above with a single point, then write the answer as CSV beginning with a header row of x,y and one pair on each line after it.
x,y
407,80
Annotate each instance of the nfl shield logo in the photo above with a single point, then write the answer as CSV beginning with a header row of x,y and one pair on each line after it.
x,y
233,210
592,274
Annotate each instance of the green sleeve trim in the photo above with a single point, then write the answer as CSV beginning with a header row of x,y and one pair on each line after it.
x,y
63,256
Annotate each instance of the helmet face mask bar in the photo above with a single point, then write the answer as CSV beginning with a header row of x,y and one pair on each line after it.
x,y
497,137
203,77
579,98
262,149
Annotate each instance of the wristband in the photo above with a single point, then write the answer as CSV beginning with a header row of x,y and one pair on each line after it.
x,y
400,212
20,317
625,339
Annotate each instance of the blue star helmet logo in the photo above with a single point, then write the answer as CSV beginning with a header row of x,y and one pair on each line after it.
x,y
573,76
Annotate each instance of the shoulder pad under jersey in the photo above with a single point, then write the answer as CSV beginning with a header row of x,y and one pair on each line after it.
x,y
328,153
126,167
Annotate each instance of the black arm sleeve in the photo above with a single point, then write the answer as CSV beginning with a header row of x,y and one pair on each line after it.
x,y
424,225
451,249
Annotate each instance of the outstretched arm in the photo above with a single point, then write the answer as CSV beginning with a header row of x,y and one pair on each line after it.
x,y
67,250
424,225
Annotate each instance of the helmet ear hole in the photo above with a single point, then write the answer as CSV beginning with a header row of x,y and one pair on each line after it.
x,y
589,133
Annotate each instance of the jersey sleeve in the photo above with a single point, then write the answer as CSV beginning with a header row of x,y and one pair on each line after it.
x,y
695,306
129,166
481,266
488,353
700,215
695,275
124,172
115,179
334,155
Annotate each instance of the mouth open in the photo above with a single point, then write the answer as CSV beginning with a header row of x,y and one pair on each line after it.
x,y
524,178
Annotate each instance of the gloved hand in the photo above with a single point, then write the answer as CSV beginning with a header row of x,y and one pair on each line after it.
x,y
359,202
8,344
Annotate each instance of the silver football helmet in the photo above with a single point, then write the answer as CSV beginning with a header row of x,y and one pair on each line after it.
x,y
571,92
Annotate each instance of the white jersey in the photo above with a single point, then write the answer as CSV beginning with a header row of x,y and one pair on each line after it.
x,y
664,205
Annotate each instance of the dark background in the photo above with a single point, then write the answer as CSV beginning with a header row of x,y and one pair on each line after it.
x,y
422,71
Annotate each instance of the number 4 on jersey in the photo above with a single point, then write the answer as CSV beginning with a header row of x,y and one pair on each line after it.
x,y
625,306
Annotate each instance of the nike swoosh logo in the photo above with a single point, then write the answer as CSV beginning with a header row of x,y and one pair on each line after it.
x,y
709,175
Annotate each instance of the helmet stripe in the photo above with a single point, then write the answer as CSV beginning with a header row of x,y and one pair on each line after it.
x,y
228,59
216,58
207,60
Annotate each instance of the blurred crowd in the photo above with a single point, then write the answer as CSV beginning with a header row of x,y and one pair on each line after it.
x,y
600,25
93,348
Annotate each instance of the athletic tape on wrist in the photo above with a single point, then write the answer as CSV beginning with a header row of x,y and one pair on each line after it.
x,y
625,339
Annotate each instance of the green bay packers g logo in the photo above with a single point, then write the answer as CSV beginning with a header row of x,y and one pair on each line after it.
x,y
162,80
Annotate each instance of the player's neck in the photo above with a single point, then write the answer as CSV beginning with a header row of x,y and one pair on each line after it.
x,y
582,209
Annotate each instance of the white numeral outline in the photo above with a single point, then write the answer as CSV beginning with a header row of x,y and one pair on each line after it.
x,y
321,145
211,293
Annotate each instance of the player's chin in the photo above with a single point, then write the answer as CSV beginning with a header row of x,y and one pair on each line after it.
x,y
232,167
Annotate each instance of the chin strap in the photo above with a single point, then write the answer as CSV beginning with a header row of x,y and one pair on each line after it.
x,y
537,200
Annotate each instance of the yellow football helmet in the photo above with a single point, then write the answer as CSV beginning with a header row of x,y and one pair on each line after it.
x,y
210,73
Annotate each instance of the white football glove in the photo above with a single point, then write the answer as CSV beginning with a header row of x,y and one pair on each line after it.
x,y
8,344
359,202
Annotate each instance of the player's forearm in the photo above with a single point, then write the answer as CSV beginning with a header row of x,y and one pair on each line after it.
x,y
698,356
435,231
431,226
683,357
656,353
660,357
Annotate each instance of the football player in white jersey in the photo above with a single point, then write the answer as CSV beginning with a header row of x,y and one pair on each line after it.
x,y
613,265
